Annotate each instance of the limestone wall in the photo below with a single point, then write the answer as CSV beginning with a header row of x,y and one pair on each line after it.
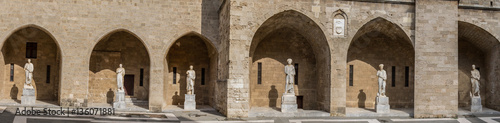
x,y
436,46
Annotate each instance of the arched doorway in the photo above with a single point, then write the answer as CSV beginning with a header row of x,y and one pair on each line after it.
x,y
35,43
119,47
380,41
191,49
289,34
477,46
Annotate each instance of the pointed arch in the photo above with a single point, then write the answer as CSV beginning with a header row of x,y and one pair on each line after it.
x,y
290,34
479,47
119,46
194,49
383,26
47,82
380,41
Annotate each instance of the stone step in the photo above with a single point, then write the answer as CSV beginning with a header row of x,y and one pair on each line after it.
x,y
135,101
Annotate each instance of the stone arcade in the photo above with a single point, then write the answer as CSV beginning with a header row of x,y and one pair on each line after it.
x,y
239,49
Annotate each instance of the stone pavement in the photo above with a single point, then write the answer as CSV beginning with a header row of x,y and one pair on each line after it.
x,y
212,116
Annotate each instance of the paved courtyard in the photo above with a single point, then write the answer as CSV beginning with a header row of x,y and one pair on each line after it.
x,y
207,115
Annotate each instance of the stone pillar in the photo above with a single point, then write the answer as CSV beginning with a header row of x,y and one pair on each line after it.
x,y
436,58
190,102
288,102
382,104
120,100
28,97
476,104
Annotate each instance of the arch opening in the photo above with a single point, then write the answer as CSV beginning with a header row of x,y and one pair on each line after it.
x,y
477,46
191,49
119,47
34,43
289,34
380,41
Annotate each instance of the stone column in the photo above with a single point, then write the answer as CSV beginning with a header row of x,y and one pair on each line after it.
x,y
436,58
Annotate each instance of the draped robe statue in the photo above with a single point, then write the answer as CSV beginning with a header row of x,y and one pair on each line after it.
x,y
290,75
191,75
475,76
28,68
382,77
120,73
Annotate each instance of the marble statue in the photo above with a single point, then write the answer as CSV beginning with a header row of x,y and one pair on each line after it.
x,y
382,77
28,97
290,74
475,76
28,68
120,73
191,75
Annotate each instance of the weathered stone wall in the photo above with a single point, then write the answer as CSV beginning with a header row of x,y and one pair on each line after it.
x,y
365,54
272,52
223,59
78,25
119,48
14,52
436,56
485,3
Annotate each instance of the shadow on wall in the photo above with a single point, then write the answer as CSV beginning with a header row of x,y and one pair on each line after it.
x,y
13,92
361,99
273,96
175,99
109,96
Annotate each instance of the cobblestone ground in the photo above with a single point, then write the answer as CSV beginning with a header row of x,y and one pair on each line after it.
x,y
7,115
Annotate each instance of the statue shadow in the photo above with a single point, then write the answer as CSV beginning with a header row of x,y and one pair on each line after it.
x,y
273,97
175,99
110,96
361,99
13,92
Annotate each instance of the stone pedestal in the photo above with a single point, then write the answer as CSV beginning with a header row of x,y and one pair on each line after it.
x,y
120,100
28,97
476,104
382,104
288,103
190,102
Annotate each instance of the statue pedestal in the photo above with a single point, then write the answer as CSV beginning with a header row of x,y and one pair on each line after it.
x,y
382,105
28,97
288,103
476,104
190,102
120,100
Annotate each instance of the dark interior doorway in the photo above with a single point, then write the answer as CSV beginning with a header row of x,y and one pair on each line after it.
x,y
300,100
129,85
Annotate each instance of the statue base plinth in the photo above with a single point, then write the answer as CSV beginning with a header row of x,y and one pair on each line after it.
x,y
190,102
120,100
28,97
288,102
476,104
382,104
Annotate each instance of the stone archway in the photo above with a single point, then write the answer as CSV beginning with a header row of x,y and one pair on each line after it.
x,y
119,47
477,46
191,49
35,43
289,34
380,41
